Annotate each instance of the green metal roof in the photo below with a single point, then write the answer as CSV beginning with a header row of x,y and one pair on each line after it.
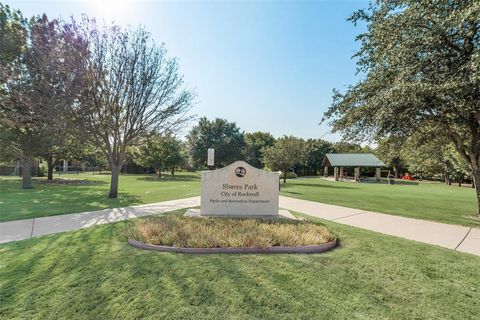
x,y
352,160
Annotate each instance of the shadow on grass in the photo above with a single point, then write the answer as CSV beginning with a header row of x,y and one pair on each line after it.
x,y
396,182
61,200
155,178
94,272
69,182
327,186
291,192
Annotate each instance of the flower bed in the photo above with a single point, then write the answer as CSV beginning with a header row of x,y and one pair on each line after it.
x,y
224,235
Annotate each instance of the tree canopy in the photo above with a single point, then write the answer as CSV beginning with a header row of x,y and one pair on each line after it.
x,y
131,89
162,152
421,66
41,77
225,137
284,154
254,143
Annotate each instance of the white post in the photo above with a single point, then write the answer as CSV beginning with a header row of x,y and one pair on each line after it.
x,y
210,157
325,171
65,166
357,174
335,173
17,168
378,175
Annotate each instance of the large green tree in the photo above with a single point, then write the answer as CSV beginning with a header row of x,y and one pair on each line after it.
x,y
161,152
425,158
389,151
284,154
225,137
40,76
132,88
315,149
254,143
421,66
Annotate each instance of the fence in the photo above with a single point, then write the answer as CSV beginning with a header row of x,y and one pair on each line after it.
x,y
13,170
59,170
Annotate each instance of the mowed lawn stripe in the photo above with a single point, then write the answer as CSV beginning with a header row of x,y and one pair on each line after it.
x,y
54,199
429,201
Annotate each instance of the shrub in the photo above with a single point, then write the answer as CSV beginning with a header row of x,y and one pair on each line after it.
x,y
228,232
42,170
290,175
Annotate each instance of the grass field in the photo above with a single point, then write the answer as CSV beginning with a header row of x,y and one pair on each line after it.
x,y
429,201
48,200
94,274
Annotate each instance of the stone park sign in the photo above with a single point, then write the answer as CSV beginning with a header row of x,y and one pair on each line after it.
x,y
239,190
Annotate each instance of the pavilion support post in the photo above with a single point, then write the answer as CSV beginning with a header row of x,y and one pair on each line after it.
x,y
357,174
335,173
341,173
325,171
65,165
377,174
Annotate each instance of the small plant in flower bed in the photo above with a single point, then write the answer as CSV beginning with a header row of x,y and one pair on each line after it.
x,y
188,232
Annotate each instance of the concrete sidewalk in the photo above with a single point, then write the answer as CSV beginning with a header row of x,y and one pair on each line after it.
x,y
454,237
28,228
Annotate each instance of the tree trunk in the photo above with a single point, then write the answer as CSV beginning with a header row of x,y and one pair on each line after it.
x,y
159,172
114,183
476,179
27,172
50,165
173,171
459,181
285,176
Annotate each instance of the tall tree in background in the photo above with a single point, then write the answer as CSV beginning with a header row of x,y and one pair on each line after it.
x,y
225,137
457,168
40,76
346,147
424,157
315,149
389,151
132,88
284,154
254,143
421,60
161,152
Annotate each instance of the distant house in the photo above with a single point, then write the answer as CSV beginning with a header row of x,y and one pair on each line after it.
x,y
355,160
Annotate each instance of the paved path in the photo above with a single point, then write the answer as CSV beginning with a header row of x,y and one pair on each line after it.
x,y
28,228
454,237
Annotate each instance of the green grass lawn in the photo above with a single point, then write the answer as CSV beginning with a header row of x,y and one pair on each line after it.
x,y
49,200
429,201
94,274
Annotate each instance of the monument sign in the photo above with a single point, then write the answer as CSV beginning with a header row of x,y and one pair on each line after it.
x,y
239,190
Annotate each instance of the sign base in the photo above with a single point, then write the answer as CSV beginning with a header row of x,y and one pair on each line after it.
x,y
285,214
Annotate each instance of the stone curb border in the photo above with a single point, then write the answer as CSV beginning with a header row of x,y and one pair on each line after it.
x,y
300,249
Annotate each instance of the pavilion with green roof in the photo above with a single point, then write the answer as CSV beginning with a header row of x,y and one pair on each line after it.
x,y
356,160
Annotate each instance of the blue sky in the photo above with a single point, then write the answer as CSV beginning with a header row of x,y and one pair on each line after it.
x,y
268,66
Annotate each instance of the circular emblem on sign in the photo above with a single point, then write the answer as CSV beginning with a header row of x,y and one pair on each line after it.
x,y
240,172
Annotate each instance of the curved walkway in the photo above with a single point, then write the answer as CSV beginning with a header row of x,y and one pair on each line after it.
x,y
449,236
29,228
